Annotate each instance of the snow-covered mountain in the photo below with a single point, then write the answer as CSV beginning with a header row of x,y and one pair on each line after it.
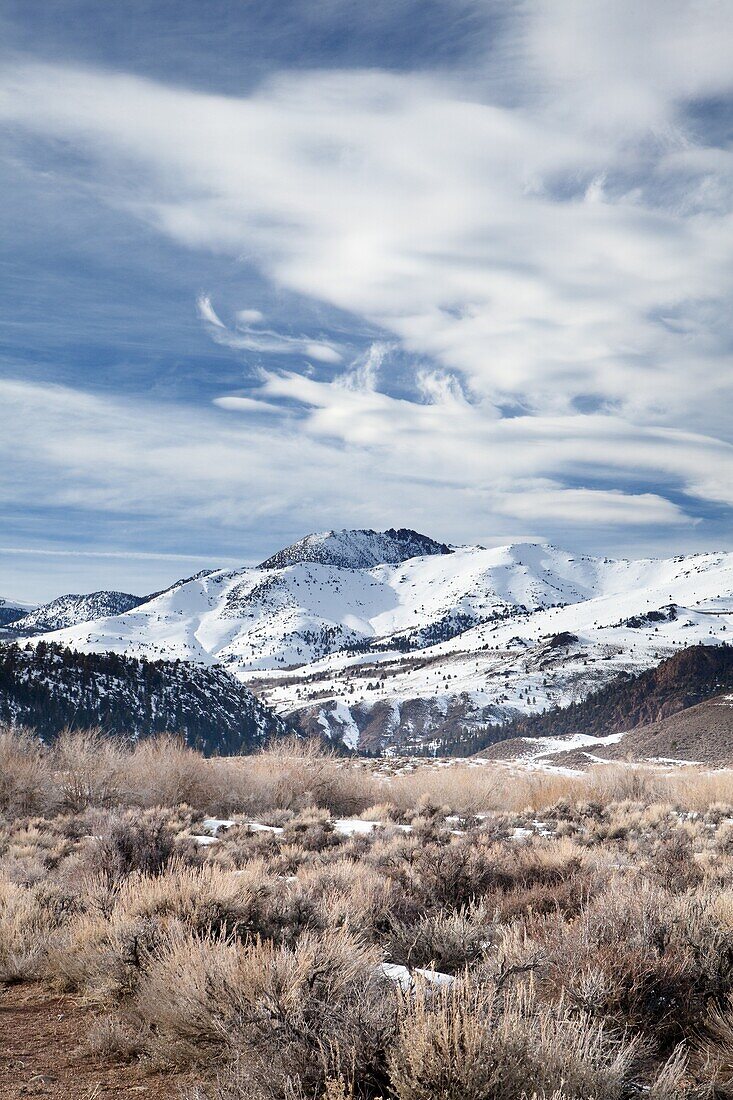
x,y
409,652
72,609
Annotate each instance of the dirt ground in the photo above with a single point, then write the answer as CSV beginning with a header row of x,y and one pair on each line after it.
x,y
40,1039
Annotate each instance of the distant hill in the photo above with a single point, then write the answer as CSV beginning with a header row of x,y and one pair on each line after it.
x,y
703,732
75,608
10,611
689,677
50,688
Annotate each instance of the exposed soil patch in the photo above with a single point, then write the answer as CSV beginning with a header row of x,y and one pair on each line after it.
x,y
40,1039
514,748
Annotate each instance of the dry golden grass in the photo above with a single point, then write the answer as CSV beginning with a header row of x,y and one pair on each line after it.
x,y
586,921
25,776
85,769
23,934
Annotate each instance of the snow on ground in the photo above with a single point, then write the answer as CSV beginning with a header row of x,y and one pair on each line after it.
x,y
353,826
212,825
405,978
349,730
540,750
347,826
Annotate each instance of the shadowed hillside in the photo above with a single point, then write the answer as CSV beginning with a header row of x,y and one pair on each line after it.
x,y
50,688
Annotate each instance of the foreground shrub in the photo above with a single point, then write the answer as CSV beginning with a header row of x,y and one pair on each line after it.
x,y
108,949
296,775
88,769
444,941
589,941
163,771
23,934
468,1043
26,784
280,1016
143,844
642,959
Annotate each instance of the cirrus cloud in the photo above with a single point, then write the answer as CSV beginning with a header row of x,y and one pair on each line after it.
x,y
547,239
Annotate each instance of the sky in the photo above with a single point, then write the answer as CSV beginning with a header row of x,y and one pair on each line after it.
x,y
458,265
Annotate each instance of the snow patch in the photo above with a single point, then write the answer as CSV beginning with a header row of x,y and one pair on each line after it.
x,y
405,978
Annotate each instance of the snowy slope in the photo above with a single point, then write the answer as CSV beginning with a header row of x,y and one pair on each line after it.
x,y
264,619
402,653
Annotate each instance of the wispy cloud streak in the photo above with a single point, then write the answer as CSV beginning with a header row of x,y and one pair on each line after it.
x,y
249,336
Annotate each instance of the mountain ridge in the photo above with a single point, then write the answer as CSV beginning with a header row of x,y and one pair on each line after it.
x,y
73,608
678,683
402,656
701,733
11,612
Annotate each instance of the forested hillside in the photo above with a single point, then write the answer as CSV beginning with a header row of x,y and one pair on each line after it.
x,y
50,687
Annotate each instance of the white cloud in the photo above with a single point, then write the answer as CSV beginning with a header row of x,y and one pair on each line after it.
x,y
610,508
557,242
434,217
452,441
236,403
363,459
136,555
620,64
207,312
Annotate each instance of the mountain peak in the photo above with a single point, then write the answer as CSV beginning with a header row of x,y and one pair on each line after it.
x,y
357,549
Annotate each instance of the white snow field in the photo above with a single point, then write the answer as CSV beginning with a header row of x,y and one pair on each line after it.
x,y
395,654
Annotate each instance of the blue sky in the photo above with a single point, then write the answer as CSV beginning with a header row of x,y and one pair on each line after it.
x,y
271,268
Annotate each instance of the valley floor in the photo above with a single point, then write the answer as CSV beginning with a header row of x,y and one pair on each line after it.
x,y
297,926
